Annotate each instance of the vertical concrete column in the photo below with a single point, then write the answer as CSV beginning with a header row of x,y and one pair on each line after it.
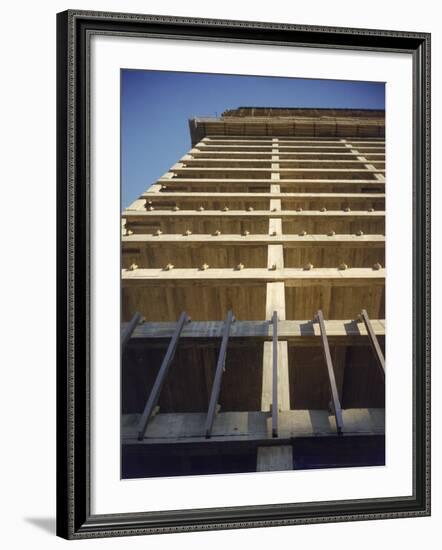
x,y
275,224
360,157
275,457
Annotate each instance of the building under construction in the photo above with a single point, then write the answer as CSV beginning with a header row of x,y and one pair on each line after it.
x,y
253,298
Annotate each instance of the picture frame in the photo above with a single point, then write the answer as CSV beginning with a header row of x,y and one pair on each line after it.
x,y
75,518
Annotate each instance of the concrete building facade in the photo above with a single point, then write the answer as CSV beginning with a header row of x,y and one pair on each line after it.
x,y
253,298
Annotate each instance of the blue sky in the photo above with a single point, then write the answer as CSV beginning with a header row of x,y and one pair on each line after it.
x,y
156,107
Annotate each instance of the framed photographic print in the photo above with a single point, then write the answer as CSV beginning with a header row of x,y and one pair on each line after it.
x,y
243,274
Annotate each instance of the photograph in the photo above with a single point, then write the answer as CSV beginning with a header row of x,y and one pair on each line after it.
x,y
229,259
253,296
217,283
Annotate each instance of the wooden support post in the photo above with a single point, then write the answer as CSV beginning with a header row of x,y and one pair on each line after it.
x,y
220,367
379,356
331,374
275,386
127,330
162,373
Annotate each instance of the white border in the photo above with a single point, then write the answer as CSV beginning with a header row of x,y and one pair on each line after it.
x,y
109,493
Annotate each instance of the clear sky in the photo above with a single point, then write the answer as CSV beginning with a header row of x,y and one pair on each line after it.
x,y
156,107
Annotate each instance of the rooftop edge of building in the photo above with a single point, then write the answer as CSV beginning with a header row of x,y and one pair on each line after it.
x,y
290,121
251,111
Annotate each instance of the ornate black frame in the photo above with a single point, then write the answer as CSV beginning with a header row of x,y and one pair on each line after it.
x,y
74,519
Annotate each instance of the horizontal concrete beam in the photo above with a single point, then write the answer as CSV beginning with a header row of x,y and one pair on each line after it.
x,y
286,240
346,331
286,139
234,143
364,170
198,161
202,153
251,196
253,425
171,181
140,215
293,277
